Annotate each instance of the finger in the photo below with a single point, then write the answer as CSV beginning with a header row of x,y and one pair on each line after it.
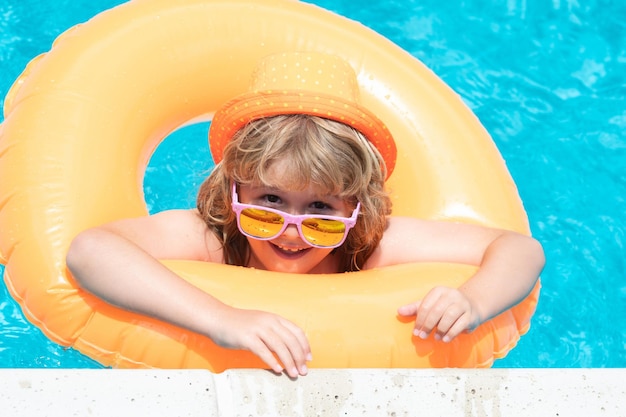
x,y
429,313
456,329
452,315
293,349
301,338
409,310
272,347
280,350
260,349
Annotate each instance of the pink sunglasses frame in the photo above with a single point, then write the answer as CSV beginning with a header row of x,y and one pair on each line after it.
x,y
296,220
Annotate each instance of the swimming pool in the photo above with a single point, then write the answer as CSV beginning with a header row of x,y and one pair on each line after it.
x,y
544,80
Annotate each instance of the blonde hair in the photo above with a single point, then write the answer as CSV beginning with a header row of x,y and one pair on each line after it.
x,y
329,155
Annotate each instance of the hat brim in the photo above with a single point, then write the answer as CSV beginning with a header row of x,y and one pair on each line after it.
x,y
256,105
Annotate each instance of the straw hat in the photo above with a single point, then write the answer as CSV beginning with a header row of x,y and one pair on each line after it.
x,y
302,83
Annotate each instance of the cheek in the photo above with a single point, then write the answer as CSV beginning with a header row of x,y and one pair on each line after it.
x,y
255,245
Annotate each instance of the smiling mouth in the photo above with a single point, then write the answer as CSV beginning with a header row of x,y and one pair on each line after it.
x,y
289,250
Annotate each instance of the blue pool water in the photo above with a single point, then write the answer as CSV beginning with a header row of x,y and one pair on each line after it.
x,y
547,81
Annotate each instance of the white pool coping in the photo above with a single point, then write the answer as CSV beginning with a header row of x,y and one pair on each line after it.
x,y
328,392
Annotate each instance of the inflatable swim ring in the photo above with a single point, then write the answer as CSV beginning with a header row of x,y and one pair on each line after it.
x,y
82,121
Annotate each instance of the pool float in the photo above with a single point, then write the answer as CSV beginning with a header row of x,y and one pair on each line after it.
x,y
82,121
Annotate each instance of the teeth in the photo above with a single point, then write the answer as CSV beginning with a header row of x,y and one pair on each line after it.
x,y
289,249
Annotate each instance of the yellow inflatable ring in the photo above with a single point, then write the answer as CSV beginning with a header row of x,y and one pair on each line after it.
x,y
82,121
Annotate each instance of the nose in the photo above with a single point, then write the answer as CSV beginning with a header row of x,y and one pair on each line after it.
x,y
291,231
291,236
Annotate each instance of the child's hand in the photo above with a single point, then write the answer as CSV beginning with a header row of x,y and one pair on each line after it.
x,y
446,310
265,333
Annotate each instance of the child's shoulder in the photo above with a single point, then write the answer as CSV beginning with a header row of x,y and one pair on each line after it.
x,y
402,236
191,216
408,239
187,234
402,227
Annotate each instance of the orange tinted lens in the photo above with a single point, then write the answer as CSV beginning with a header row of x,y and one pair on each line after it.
x,y
260,223
323,232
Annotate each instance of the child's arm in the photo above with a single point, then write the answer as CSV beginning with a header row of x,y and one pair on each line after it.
x,y
509,266
118,263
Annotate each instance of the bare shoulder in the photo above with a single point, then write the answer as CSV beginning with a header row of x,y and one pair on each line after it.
x,y
403,235
408,240
171,234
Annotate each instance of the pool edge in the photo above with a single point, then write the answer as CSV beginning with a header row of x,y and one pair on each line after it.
x,y
449,392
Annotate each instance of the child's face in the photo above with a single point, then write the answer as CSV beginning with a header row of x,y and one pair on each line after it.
x,y
288,252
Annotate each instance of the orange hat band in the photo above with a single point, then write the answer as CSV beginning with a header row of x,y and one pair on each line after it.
x,y
267,104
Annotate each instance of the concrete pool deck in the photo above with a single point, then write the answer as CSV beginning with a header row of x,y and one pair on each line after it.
x,y
324,392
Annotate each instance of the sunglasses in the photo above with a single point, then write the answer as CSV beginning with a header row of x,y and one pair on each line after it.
x,y
317,230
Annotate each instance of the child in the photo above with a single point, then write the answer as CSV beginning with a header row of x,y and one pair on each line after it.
x,y
298,187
